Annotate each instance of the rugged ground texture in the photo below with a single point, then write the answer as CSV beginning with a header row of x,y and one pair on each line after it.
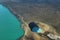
x,y
46,13
41,12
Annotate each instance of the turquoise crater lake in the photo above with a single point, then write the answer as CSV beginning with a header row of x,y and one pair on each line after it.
x,y
10,27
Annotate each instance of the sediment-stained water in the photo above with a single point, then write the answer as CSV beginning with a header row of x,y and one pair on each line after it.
x,y
10,27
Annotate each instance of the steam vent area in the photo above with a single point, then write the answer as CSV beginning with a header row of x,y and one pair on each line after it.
x,y
30,19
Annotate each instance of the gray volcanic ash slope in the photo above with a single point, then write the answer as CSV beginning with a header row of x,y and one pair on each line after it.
x,y
48,13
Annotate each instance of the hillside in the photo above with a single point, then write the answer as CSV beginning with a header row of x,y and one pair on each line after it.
x,y
33,11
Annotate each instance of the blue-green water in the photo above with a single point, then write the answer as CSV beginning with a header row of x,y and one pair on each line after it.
x,y
10,27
